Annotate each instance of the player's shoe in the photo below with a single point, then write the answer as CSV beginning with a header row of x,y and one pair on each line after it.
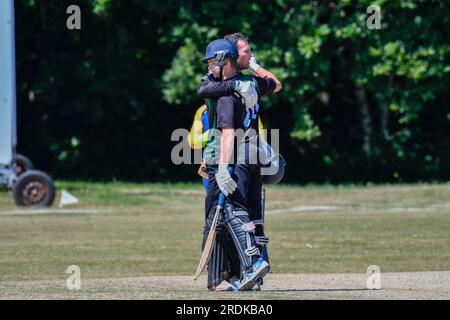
x,y
257,286
224,286
259,269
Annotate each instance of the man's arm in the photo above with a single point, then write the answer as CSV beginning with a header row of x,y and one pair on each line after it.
x,y
224,180
215,89
226,145
259,71
266,86
225,122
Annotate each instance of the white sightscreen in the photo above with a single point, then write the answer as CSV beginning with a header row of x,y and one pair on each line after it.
x,y
7,81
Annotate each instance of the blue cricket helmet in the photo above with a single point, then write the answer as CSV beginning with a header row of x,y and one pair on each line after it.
x,y
220,49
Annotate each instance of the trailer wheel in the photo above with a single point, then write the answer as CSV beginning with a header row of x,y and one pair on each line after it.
x,y
21,164
34,188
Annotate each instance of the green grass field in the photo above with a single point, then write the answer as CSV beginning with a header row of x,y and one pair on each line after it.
x,y
156,229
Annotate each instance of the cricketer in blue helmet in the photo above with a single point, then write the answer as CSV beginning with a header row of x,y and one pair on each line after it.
x,y
255,200
227,113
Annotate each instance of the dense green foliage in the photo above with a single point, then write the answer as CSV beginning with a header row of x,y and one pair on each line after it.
x,y
357,104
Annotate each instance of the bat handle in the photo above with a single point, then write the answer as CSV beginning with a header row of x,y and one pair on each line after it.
x,y
221,200
222,197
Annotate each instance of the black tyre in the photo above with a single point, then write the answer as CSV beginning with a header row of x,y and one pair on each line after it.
x,y
21,164
34,188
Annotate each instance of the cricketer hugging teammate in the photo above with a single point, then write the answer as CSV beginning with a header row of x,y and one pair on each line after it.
x,y
234,154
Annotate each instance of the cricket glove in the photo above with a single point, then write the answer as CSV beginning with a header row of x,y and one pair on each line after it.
x,y
248,92
226,184
254,66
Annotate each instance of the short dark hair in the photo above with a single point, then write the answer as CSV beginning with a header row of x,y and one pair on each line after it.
x,y
233,62
235,37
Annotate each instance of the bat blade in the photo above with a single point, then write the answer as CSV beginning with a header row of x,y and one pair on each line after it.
x,y
206,254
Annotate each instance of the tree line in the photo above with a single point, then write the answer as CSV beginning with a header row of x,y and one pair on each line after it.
x,y
357,104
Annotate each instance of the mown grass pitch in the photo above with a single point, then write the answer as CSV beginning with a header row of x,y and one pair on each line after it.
x,y
145,230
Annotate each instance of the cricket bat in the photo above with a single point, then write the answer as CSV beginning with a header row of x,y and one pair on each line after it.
x,y
207,250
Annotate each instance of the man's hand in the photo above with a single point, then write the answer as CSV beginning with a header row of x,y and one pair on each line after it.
x,y
248,92
254,66
226,184
216,71
259,71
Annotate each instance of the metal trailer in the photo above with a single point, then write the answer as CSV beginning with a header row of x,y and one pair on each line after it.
x,y
30,187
